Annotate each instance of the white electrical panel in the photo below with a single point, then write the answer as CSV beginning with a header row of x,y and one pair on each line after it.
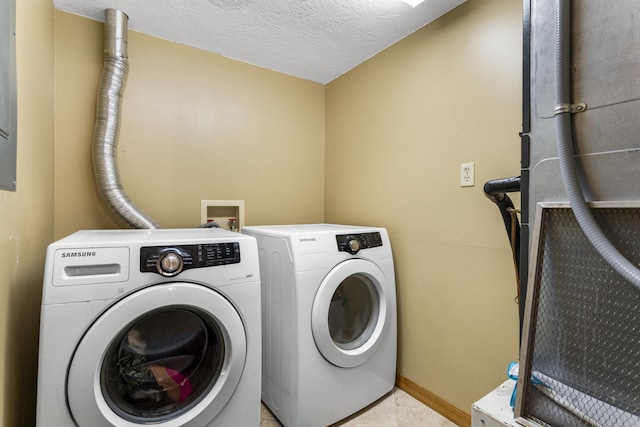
x,y
8,103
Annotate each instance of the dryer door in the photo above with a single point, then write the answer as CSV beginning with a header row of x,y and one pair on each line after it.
x,y
167,355
350,313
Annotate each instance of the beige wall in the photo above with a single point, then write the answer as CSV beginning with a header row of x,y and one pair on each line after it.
x,y
397,129
26,219
197,126
194,126
200,126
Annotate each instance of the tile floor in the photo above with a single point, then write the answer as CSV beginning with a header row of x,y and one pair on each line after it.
x,y
397,409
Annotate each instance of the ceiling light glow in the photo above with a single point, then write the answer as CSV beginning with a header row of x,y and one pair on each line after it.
x,y
413,3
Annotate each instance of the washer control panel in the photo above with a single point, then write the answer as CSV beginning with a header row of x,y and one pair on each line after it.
x,y
352,243
169,261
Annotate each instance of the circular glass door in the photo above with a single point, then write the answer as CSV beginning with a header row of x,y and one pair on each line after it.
x,y
349,313
170,354
162,363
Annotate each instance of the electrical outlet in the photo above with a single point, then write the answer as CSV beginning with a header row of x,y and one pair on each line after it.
x,y
467,174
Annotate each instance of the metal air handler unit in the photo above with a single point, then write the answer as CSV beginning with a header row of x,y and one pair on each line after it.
x,y
581,118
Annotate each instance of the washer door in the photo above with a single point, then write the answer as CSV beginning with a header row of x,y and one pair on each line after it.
x,y
350,313
167,355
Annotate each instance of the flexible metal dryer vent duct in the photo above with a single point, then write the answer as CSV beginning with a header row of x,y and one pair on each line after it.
x,y
105,136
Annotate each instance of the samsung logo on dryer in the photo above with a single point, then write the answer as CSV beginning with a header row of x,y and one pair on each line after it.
x,y
81,254
307,239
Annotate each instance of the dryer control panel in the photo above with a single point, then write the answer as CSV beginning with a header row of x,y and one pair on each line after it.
x,y
171,260
352,243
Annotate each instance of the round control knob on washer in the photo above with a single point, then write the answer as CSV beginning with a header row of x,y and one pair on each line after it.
x,y
353,246
170,264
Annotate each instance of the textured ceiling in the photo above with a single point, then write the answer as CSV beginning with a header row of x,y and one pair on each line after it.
x,y
316,40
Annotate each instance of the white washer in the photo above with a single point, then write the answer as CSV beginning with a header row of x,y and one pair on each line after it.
x,y
329,320
156,327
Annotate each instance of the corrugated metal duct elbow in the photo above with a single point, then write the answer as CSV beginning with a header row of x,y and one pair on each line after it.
x,y
107,128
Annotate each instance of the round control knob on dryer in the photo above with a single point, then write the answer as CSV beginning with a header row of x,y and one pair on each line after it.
x,y
170,264
353,246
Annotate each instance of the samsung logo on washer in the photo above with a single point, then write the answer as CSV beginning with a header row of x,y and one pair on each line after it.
x,y
78,254
307,239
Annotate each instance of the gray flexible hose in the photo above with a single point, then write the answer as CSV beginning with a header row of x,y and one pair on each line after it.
x,y
565,152
107,127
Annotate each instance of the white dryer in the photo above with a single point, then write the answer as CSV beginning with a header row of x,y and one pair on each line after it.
x,y
143,327
329,320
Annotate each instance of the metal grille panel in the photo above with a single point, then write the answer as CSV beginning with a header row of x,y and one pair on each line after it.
x,y
584,326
